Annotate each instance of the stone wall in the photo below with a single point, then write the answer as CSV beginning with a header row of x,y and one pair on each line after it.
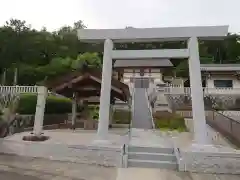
x,y
105,156
210,159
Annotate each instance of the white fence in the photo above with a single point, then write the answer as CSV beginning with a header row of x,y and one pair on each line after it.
x,y
187,90
22,89
18,89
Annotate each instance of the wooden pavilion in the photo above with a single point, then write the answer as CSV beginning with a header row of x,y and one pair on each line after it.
x,y
85,86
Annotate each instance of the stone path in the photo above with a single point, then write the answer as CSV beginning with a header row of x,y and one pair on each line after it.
x,y
141,118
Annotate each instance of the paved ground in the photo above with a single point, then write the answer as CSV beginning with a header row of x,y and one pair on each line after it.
x,y
41,169
15,176
18,168
23,168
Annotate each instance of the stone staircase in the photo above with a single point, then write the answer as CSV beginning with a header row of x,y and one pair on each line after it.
x,y
152,157
141,118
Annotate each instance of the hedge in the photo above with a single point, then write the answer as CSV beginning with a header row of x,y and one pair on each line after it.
x,y
54,104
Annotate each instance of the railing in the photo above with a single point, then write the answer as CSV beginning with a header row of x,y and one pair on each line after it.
x,y
187,90
18,89
152,93
225,125
150,109
23,89
173,85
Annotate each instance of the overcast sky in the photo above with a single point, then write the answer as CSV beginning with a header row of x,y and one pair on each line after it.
x,y
121,13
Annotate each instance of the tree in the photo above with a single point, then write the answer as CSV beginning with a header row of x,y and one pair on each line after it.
x,y
20,29
79,25
34,55
91,60
17,25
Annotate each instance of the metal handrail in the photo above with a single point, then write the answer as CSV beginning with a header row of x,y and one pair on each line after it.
x,y
229,118
132,110
227,131
226,126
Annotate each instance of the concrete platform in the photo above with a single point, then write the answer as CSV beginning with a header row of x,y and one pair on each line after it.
x,y
150,138
67,145
117,137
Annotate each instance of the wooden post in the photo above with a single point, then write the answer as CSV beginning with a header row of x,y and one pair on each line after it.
x,y
74,110
110,115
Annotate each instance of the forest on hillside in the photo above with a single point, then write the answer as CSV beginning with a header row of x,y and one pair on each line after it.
x,y
29,56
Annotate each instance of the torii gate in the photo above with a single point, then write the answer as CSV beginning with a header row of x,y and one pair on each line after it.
x,y
189,34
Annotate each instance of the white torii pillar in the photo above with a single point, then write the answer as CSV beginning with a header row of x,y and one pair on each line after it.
x,y
105,91
199,119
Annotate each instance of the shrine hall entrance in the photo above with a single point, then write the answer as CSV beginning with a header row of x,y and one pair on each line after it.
x,y
141,82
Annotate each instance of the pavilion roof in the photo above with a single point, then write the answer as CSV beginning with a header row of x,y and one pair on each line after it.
x,y
86,84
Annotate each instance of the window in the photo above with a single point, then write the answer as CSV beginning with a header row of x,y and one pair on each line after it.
x,y
223,83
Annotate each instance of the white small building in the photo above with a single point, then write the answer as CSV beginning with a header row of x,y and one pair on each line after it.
x,y
221,78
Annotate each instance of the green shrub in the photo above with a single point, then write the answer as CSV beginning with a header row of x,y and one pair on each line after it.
x,y
54,105
121,117
169,121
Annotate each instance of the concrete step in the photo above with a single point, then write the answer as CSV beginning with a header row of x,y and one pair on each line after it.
x,y
150,150
152,156
152,164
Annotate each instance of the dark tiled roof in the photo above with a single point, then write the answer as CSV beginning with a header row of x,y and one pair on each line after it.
x,y
220,67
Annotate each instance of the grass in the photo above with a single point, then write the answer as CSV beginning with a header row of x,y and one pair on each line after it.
x,y
166,121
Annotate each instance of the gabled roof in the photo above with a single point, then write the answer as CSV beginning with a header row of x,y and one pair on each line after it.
x,y
220,67
86,84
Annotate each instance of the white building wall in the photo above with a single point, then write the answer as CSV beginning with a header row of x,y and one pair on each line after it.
x,y
210,82
213,90
155,74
